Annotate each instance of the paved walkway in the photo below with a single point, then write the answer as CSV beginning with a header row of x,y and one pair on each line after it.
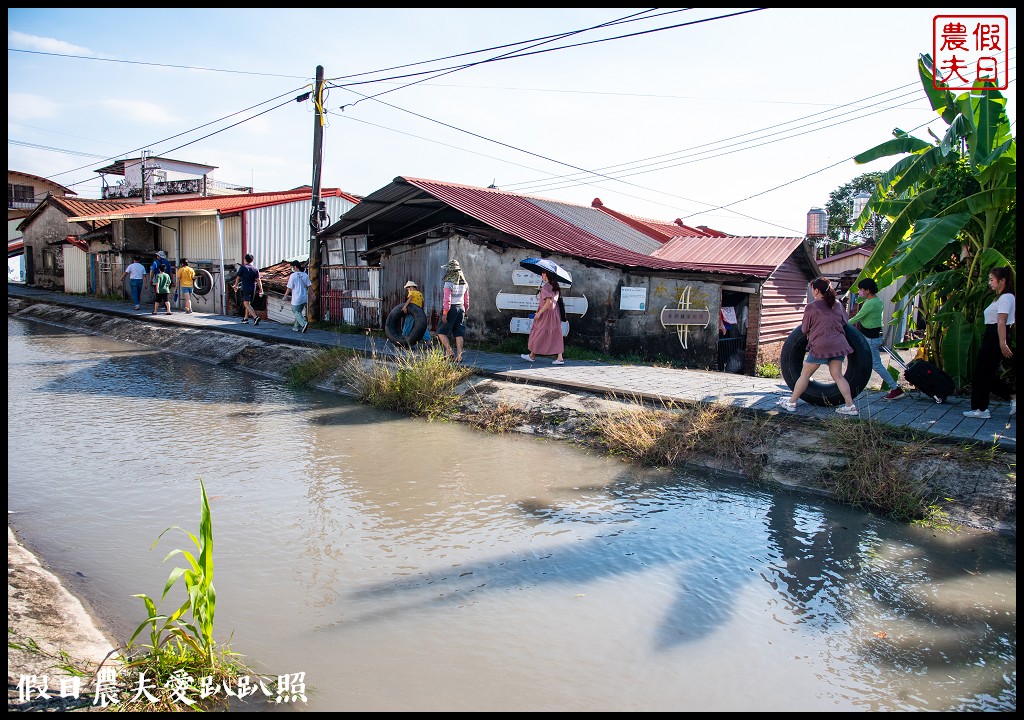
x,y
625,381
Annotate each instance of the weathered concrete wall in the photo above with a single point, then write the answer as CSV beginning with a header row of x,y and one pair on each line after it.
x,y
50,226
982,491
603,328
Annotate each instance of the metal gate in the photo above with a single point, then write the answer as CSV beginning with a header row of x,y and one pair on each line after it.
x,y
350,295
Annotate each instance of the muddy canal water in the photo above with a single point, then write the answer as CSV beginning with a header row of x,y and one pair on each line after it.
x,y
407,565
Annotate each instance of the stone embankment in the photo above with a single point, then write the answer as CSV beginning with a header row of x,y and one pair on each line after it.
x,y
978,484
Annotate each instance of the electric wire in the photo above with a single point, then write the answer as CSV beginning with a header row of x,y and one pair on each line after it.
x,y
511,53
547,50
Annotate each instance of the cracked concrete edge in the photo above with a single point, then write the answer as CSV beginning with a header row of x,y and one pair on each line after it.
x,y
41,609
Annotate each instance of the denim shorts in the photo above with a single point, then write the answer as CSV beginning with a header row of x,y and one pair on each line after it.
x,y
822,361
186,290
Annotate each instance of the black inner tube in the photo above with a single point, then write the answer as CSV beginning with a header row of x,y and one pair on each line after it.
x,y
396,319
857,373
203,282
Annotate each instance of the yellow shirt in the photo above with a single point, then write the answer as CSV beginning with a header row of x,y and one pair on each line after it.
x,y
186,276
415,297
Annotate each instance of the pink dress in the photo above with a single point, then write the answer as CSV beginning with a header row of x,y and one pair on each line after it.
x,y
546,333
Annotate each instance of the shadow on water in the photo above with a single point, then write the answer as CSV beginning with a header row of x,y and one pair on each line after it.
x,y
830,574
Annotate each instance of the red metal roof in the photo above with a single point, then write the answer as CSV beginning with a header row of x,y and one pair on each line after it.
x,y
516,215
224,204
758,256
660,231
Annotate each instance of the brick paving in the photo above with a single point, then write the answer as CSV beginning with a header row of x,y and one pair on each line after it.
x,y
624,381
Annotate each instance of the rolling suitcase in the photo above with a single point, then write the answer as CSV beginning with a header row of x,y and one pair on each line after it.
x,y
926,377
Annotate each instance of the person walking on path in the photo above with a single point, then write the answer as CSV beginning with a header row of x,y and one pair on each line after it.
x,y
1000,317
298,288
546,331
413,296
160,263
163,291
187,283
869,318
824,324
454,305
136,273
251,284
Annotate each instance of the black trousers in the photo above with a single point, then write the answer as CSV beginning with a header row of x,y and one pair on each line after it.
x,y
986,370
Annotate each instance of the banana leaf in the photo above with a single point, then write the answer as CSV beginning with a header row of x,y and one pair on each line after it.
x,y
957,341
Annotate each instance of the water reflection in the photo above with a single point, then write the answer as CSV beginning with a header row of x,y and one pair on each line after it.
x,y
424,566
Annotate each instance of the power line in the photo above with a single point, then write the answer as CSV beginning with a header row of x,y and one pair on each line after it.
x,y
153,64
199,127
547,50
511,53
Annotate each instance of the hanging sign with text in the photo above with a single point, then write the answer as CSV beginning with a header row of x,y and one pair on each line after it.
x,y
574,305
522,326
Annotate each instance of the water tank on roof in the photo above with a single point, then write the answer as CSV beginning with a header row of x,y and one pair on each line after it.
x,y
817,222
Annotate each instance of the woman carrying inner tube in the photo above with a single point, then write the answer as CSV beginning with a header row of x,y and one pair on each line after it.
x,y
824,324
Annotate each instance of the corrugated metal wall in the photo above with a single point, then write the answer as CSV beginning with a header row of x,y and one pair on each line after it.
x,y
199,240
76,275
423,265
783,298
281,232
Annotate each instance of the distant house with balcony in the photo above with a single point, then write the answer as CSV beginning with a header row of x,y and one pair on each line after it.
x,y
24,193
149,178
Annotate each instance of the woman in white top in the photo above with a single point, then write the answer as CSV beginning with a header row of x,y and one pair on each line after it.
x,y
995,347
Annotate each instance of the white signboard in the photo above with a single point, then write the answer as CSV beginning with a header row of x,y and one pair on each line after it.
x,y
574,304
522,326
633,298
522,276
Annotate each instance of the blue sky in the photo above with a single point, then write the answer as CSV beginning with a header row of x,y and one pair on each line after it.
x,y
759,112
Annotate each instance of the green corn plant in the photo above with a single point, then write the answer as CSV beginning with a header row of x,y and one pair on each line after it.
x,y
192,623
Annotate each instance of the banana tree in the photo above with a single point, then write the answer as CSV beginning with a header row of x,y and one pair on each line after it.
x,y
952,206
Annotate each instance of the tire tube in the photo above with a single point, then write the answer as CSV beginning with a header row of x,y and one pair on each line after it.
x,y
858,368
395,320
203,282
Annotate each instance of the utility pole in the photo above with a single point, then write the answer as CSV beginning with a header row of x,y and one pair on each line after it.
x,y
313,307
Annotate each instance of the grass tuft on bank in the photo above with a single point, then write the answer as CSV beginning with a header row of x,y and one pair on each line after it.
x,y
878,473
674,434
422,383
322,365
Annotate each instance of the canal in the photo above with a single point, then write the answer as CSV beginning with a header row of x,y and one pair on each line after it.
x,y
416,566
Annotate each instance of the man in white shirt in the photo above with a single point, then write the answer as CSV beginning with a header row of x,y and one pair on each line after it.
x,y
136,273
298,287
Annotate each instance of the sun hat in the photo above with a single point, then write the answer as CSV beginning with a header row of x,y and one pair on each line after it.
x,y
453,273
161,253
411,284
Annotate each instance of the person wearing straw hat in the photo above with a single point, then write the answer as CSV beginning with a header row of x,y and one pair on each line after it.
x,y
413,296
454,305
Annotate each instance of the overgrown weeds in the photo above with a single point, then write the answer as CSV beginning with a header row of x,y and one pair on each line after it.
x,y
878,473
311,371
418,382
673,434
768,370
501,417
